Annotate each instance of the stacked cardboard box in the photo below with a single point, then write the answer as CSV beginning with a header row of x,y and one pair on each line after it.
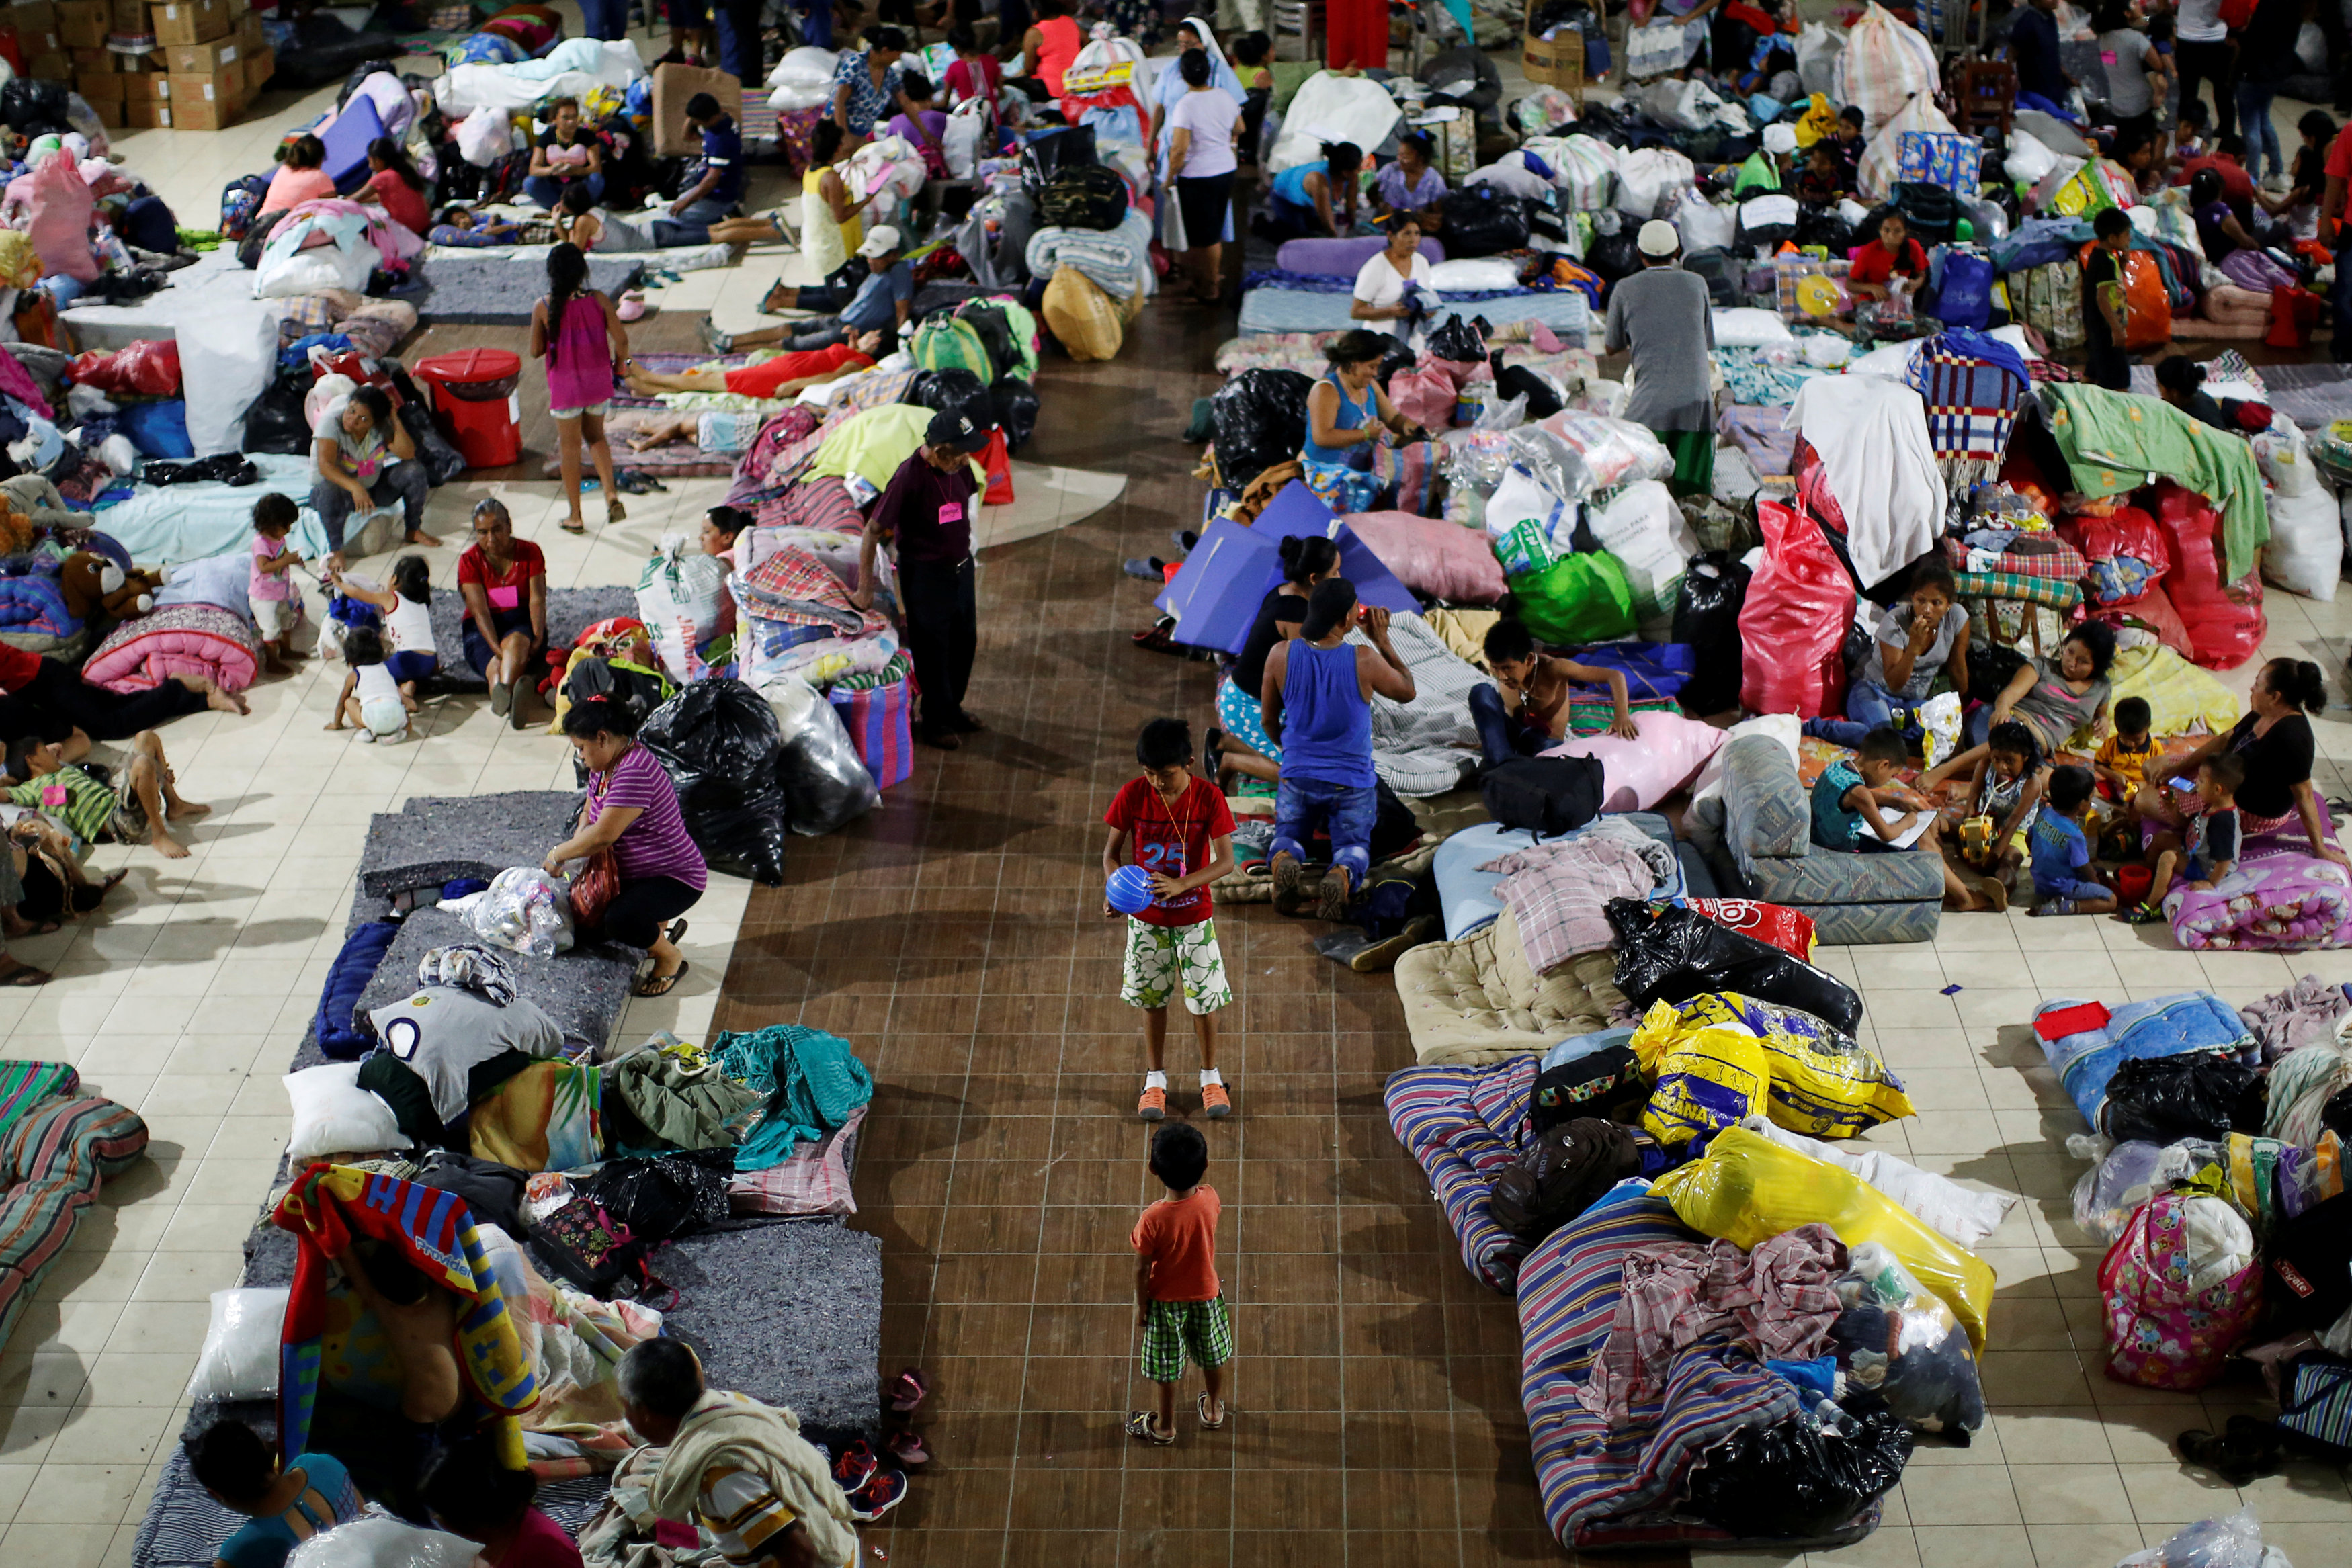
x,y
39,41
204,62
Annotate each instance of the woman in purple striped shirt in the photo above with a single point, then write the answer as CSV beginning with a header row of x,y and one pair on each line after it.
x,y
632,810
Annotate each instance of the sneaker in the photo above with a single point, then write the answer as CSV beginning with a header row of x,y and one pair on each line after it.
x,y
365,737
1215,1103
1153,1103
881,1493
715,340
2054,906
2142,914
856,1467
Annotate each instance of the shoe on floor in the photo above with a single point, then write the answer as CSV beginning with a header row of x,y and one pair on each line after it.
x,y
2054,906
1379,958
1151,1105
1145,566
879,1496
1215,1103
856,1467
945,739
715,340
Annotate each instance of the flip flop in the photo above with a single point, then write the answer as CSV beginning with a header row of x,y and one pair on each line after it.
x,y
660,984
907,1447
1139,1427
676,930
1201,1405
25,975
908,1389
568,529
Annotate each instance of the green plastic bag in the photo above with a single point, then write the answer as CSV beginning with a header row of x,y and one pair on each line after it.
x,y
1577,599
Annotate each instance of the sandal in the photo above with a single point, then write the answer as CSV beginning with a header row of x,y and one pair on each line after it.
x,y
579,528
907,1390
1201,1405
24,975
907,1447
676,930
614,511
1139,1427
661,984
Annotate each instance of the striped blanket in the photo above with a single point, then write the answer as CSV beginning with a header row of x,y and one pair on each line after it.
x,y
24,1084
1118,261
1972,407
1460,1124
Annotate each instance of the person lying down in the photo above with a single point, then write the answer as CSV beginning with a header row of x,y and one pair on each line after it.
x,y
784,376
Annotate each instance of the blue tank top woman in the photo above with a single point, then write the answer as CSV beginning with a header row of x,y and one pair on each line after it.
x,y
1354,414
1288,197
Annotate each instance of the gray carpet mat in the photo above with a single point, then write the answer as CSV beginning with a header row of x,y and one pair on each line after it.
x,y
434,839
570,611
789,1314
486,291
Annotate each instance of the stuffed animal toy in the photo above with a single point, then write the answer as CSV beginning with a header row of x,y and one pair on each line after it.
x,y
18,533
97,590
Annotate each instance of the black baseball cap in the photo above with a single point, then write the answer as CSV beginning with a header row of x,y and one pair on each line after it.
x,y
956,431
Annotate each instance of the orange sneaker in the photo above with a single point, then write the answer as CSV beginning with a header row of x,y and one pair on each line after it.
x,y
1214,1101
1153,1103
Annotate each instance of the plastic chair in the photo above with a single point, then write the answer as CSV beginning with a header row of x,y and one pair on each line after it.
x,y
347,139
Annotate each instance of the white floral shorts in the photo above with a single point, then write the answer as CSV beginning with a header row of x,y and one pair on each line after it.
x,y
1160,957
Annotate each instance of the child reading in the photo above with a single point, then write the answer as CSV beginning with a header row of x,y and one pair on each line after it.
x,y
407,619
371,698
1182,834
1846,804
2062,881
277,607
1179,1304
2213,838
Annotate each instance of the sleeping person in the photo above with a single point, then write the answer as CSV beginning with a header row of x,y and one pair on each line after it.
x,y
784,376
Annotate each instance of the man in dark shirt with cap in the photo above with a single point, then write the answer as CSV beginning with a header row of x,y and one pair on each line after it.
x,y
927,509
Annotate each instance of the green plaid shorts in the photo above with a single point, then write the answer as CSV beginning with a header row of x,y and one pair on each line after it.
x,y
1175,1329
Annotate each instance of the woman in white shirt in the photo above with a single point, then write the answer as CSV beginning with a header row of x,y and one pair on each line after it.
x,y
1381,286
1202,128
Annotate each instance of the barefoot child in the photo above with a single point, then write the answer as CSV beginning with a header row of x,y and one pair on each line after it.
x,y
2121,764
578,332
370,699
142,800
2007,790
1183,835
1179,1304
1531,709
277,607
2062,881
1847,816
2213,837
407,608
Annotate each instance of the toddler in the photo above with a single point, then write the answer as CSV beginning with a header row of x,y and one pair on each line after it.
x,y
2006,792
2122,763
277,607
371,698
2062,855
1179,1304
407,609
1846,815
2213,837
1182,834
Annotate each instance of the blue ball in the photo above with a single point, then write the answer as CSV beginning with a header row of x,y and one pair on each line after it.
x,y
1129,891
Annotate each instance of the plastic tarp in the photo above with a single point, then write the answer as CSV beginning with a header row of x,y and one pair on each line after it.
x,y
1331,108
1215,595
231,354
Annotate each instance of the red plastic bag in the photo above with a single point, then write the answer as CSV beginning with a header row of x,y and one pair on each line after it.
x,y
997,463
2224,620
149,367
1794,623
1785,928
1425,394
2293,313
2153,611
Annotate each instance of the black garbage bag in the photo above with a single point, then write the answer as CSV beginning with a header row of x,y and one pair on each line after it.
x,y
442,461
1559,1173
1517,381
1706,616
1483,221
2164,1099
275,422
825,785
1400,358
1016,410
635,690
1259,419
1665,953
951,390
719,741
1459,338
1613,254
1802,1477
1466,77
662,1197
34,107
2309,1264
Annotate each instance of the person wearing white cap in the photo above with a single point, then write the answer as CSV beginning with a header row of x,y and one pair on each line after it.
x,y
1660,317
1766,168
881,303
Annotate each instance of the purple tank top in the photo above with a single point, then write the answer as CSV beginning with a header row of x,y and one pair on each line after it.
x,y
580,356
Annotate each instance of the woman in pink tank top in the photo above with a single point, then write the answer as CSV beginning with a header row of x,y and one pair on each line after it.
x,y
577,332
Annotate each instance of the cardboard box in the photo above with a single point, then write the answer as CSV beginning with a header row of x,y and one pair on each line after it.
x,y
217,114
147,115
82,24
90,60
211,86
260,65
54,66
147,87
109,112
201,59
249,31
1555,62
190,22
127,17
36,23
98,86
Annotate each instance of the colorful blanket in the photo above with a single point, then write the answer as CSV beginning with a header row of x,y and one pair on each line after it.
x,y
2058,594
1971,408
771,466
813,1081
544,1118
2045,556
1460,1123
24,1085
2278,898
329,1206
815,1180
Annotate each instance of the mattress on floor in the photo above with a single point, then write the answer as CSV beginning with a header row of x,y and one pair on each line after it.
x,y
1467,893
1475,1000
570,611
433,839
585,990
671,460
1565,311
789,1314
1460,1124
498,285
1760,433
216,286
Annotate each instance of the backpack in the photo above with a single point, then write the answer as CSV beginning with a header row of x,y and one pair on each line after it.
x,y
241,198
2309,1261
2160,1334
1010,332
1608,1083
1088,197
2315,1405
1546,794
950,343
588,1246
1558,1175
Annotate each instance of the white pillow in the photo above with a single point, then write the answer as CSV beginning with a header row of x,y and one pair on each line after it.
x,y
240,1360
1473,272
334,1115
1748,328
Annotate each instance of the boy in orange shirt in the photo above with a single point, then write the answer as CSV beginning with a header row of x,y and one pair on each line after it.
x,y
1179,1304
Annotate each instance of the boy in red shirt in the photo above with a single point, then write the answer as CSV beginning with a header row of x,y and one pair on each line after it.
x,y
1183,835
1179,1304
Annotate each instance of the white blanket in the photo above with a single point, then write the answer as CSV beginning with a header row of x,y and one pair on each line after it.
x,y
1427,745
1945,1207
1872,433
569,70
1332,108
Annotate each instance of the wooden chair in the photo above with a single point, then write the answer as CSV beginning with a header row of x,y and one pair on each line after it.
x,y
1983,93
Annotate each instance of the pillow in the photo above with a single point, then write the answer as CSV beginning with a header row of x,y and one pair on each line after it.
x,y
334,1115
1747,327
1467,273
222,580
240,1360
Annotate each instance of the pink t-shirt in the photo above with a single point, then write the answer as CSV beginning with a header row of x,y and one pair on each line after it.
x,y
268,584
541,1544
656,843
291,187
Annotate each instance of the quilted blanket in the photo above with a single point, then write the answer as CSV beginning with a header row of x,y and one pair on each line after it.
x,y
2278,898
177,640
52,1159
1427,745
1459,1124
2163,1026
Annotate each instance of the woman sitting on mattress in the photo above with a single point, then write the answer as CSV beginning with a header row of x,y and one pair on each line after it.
x,y
632,810
1242,745
1347,413
2276,744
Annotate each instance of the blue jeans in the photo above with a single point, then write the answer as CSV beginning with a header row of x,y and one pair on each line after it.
x,y
1868,707
405,481
605,19
1346,811
1501,736
737,23
547,189
2262,156
691,226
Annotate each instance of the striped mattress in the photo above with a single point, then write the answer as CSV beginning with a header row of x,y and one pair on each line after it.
x,y
1462,1125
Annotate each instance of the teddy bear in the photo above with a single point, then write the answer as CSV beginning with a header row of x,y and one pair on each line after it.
x,y
99,591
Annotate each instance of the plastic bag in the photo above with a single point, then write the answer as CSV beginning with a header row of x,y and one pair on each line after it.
x,y
1258,421
1665,953
1824,1082
949,390
1642,527
1799,605
1705,1078
239,1359
484,136
825,783
1082,318
1748,1188
1804,1476
149,367
1645,180
1884,65
525,910
2128,1176
2305,551
2232,1543
1575,600
380,1541
679,596
1459,340
718,740
1898,1341
1706,616
1481,221
662,1197
1015,407
1573,454
2162,1099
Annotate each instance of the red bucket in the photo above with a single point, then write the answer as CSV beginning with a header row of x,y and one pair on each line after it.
x,y
475,403
2132,882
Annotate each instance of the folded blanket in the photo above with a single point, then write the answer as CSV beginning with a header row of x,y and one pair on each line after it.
x,y
2165,1025
1118,261
1558,891
1427,745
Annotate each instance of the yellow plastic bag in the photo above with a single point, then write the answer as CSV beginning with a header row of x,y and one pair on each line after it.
x,y
1748,1188
1705,1078
1824,1083
1081,316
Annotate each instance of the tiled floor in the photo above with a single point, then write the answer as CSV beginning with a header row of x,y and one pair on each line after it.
x,y
955,936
